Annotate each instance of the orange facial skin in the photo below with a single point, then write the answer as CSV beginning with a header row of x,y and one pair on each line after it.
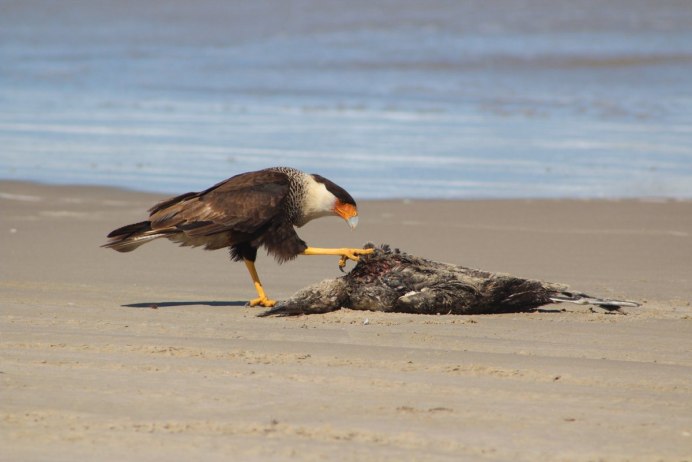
x,y
345,211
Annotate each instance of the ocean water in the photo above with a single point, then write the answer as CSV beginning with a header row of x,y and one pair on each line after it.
x,y
390,99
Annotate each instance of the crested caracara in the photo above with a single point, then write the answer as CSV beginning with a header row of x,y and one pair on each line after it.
x,y
245,212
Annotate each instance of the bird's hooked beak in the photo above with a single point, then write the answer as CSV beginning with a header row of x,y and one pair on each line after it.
x,y
348,212
353,221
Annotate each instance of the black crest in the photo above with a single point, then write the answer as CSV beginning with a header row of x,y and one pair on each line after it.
x,y
339,192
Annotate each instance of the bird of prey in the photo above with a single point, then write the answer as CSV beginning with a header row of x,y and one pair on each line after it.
x,y
244,212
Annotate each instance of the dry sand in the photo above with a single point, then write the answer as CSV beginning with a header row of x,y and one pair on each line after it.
x,y
90,372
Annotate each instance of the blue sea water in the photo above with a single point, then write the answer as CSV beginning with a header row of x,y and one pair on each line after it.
x,y
390,99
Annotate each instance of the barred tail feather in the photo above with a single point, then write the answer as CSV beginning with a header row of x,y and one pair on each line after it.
x,y
583,299
128,238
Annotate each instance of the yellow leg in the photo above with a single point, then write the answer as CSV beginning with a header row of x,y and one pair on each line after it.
x,y
344,253
262,299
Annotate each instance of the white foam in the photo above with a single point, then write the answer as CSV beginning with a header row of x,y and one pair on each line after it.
x,y
19,197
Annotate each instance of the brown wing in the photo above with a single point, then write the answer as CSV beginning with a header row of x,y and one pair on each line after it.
x,y
245,204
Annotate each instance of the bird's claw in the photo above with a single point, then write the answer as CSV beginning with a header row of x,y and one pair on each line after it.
x,y
262,301
342,263
352,254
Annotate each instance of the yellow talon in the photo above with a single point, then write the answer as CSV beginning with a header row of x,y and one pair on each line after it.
x,y
352,254
344,254
262,301
363,251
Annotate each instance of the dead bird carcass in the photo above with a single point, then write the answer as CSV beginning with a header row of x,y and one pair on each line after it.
x,y
391,280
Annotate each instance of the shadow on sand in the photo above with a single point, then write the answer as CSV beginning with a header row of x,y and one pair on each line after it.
x,y
155,305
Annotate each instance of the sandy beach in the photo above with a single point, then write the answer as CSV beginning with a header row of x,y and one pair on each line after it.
x,y
153,356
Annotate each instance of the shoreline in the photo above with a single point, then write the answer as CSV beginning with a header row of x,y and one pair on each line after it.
x,y
125,189
90,369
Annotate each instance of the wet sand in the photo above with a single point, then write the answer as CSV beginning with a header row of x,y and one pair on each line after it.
x,y
152,355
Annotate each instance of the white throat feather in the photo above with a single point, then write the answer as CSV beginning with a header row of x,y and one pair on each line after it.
x,y
317,201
